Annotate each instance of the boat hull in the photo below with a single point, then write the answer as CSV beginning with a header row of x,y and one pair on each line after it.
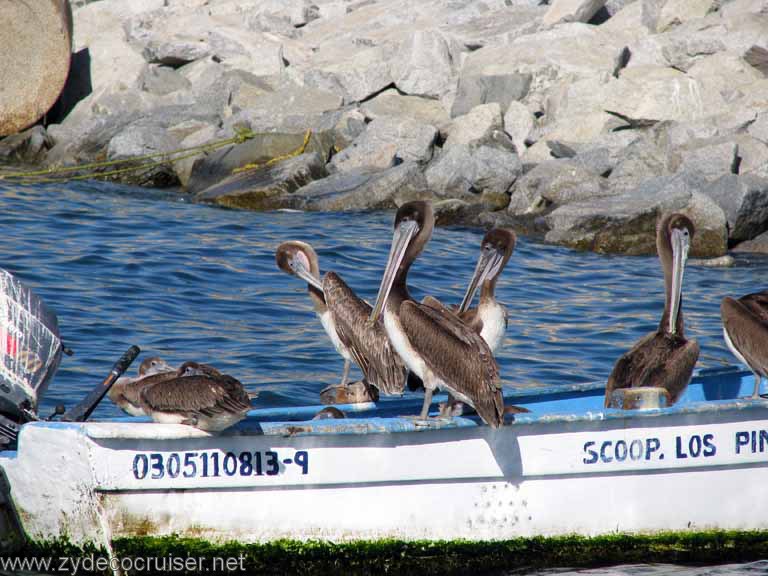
x,y
699,466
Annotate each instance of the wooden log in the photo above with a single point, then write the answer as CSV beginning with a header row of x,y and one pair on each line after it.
x,y
36,44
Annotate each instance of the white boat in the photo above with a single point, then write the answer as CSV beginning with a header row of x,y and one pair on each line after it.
x,y
567,467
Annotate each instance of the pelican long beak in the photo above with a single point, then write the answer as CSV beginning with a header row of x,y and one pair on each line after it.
x,y
300,269
680,245
400,241
488,265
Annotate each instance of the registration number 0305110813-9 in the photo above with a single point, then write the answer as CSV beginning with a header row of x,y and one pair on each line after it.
x,y
158,465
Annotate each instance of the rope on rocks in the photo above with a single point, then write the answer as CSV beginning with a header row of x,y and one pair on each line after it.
x,y
298,152
95,169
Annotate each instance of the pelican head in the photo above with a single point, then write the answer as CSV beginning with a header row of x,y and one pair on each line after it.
x,y
495,249
673,241
154,365
299,259
413,226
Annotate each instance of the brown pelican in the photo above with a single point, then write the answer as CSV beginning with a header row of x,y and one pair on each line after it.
x,y
745,329
664,358
435,345
489,319
344,316
125,392
207,400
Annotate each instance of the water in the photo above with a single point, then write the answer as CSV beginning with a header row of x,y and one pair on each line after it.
x,y
122,266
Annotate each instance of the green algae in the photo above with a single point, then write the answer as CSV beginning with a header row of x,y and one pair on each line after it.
x,y
425,558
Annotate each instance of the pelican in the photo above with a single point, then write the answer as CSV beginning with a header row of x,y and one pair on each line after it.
x,y
664,358
434,344
125,392
209,401
344,316
745,329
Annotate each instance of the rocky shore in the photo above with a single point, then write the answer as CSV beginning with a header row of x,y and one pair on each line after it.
x,y
579,120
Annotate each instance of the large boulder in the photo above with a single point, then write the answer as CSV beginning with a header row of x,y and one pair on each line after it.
x,y
264,188
474,173
392,104
36,42
476,89
708,158
744,200
424,65
140,139
626,223
386,141
480,125
571,11
361,75
641,159
362,189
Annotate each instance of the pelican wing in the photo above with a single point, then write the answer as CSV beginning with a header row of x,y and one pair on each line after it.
x,y
199,394
746,321
457,355
368,343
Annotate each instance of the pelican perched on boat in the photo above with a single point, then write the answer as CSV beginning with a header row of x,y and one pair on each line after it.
x,y
664,358
125,391
207,400
434,344
344,316
745,329
489,319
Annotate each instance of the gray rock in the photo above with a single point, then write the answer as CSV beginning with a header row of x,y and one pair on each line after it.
x,y
481,124
709,158
262,148
140,139
554,183
759,128
675,12
27,147
571,11
519,123
365,73
362,189
627,223
424,65
758,245
753,155
641,160
163,80
265,188
744,200
474,90
204,134
454,212
349,124
679,134
385,140
391,104
476,174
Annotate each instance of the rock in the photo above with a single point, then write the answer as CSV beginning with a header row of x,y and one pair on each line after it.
x,y
141,139
675,12
709,158
519,124
759,244
454,212
641,160
385,140
759,128
262,148
752,155
183,168
424,65
474,173
481,124
362,189
26,147
36,42
350,123
555,182
163,80
726,261
744,200
391,104
679,48
571,11
645,95
724,72
679,134
474,90
570,52
626,223
263,188
602,155
365,73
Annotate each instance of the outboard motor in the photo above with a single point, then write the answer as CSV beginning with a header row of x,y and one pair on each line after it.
x,y
30,353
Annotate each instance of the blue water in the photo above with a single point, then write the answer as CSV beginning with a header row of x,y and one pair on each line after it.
x,y
124,266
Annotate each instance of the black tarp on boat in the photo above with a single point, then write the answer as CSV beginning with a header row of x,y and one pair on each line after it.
x,y
30,347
